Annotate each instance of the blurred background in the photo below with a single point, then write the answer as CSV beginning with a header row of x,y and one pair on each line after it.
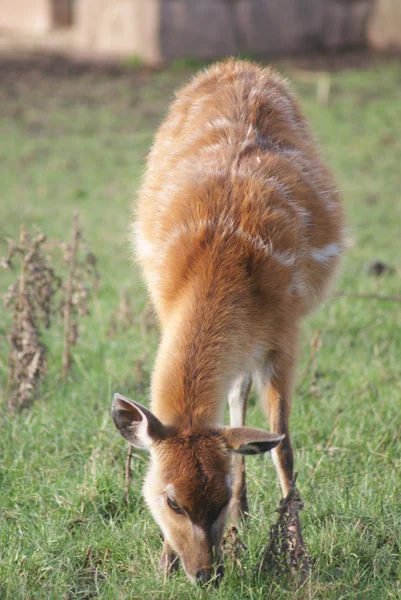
x,y
159,30
84,84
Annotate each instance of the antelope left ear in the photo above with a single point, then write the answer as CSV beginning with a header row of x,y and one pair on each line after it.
x,y
136,422
246,440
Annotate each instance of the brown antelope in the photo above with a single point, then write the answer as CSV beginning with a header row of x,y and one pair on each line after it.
x,y
239,231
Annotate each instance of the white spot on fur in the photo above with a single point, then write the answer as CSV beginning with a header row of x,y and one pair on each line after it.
x,y
160,500
199,534
285,258
143,247
297,285
170,490
220,123
236,399
324,254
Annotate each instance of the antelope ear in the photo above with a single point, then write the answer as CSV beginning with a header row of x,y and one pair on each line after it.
x,y
135,422
246,440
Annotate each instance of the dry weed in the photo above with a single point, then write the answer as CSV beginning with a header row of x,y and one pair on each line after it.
x,y
80,283
31,301
233,547
286,549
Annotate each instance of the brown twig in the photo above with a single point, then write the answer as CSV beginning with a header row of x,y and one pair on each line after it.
x,y
68,296
385,298
285,547
128,474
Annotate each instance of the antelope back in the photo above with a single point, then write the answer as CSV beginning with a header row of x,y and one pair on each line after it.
x,y
235,163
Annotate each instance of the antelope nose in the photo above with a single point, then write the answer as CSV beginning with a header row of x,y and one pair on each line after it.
x,y
203,577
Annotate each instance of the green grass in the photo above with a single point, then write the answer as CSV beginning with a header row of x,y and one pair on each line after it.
x,y
79,142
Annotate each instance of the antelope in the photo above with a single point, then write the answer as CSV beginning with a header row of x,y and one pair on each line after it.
x,y
239,231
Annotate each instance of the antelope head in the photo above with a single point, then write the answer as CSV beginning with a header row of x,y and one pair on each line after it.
x,y
188,485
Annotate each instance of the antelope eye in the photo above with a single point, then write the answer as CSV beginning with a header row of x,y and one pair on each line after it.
x,y
174,506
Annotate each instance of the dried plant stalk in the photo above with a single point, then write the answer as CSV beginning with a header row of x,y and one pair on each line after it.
x,y
31,301
77,290
233,547
128,474
68,297
123,316
285,550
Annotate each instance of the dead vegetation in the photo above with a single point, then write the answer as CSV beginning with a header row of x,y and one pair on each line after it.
x,y
81,280
36,299
233,547
285,550
30,300
124,316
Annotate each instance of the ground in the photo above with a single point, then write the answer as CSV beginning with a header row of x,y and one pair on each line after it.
x,y
74,136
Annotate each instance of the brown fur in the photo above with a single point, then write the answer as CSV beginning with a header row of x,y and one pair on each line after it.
x,y
201,484
239,231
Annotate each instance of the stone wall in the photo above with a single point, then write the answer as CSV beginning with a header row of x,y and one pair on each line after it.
x,y
35,16
384,26
259,26
26,15
160,30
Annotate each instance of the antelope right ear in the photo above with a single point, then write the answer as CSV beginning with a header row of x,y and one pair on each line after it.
x,y
247,440
136,423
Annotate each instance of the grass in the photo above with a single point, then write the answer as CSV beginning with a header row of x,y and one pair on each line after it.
x,y
77,140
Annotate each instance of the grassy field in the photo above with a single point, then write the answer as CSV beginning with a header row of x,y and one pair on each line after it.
x,y
75,138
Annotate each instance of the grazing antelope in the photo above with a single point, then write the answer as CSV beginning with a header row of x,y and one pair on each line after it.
x,y
239,231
